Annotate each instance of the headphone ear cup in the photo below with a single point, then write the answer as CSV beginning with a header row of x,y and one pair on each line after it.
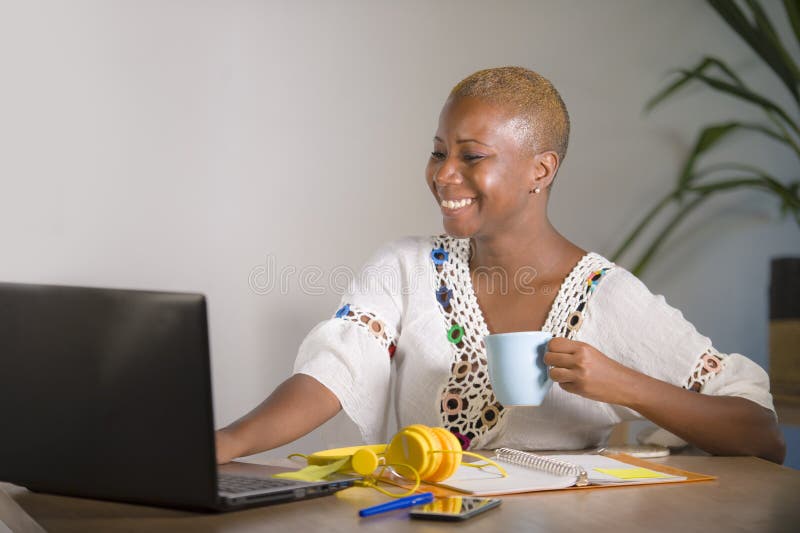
x,y
407,448
411,446
325,457
432,441
450,461
364,461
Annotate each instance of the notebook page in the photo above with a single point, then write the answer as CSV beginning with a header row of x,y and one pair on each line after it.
x,y
626,474
488,481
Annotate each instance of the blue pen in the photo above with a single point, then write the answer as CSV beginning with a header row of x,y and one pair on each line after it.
x,y
400,503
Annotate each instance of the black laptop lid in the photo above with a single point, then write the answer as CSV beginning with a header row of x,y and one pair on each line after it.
x,y
106,394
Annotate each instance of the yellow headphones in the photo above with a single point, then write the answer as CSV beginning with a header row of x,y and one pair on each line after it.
x,y
362,460
416,452
433,452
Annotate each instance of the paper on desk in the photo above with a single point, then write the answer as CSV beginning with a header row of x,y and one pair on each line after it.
x,y
604,470
487,482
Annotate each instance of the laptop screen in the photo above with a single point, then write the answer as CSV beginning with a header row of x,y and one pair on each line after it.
x,y
106,393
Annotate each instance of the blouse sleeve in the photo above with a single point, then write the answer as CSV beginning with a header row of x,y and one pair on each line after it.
x,y
351,352
641,331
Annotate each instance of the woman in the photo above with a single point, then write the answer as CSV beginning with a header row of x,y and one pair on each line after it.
x,y
619,352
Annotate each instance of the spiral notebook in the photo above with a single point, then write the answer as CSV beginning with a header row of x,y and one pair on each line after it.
x,y
529,472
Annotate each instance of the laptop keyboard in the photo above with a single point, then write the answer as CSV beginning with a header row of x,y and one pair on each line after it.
x,y
237,484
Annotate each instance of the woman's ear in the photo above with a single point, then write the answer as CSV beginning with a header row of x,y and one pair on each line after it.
x,y
545,166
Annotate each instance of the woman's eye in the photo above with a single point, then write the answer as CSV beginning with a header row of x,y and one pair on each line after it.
x,y
437,155
472,157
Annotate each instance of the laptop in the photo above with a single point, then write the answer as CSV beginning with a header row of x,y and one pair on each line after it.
x,y
106,394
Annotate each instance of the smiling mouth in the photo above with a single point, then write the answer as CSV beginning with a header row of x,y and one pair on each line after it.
x,y
454,205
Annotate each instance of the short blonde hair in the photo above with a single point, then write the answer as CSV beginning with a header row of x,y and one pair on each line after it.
x,y
530,96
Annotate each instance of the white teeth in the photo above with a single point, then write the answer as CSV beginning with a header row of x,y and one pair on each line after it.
x,y
456,204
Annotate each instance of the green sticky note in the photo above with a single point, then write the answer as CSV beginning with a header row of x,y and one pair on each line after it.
x,y
633,473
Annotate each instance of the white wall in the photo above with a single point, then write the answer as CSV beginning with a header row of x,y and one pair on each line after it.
x,y
176,144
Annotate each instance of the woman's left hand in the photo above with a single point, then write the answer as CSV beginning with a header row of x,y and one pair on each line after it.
x,y
723,425
584,370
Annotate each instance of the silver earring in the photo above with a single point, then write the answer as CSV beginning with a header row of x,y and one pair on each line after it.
x,y
537,190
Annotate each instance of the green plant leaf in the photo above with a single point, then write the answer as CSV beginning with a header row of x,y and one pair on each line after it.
x,y
772,134
788,195
643,223
792,74
708,137
755,177
793,11
668,228
794,190
683,79
790,202
702,175
747,95
759,40
695,185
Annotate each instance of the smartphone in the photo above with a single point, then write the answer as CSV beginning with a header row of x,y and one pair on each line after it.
x,y
453,508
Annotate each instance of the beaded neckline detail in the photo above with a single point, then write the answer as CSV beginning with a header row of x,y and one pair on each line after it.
x,y
468,406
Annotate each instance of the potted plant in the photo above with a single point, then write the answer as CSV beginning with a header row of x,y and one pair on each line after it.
x,y
696,182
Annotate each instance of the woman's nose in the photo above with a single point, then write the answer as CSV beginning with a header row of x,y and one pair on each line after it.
x,y
447,173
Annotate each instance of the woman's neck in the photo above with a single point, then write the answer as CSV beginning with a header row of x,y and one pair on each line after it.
x,y
543,249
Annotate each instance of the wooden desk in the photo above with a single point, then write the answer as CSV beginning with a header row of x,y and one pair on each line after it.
x,y
750,495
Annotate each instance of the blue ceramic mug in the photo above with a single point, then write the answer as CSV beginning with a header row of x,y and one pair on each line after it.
x,y
516,366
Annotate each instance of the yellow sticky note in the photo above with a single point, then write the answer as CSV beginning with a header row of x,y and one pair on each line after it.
x,y
633,473
314,472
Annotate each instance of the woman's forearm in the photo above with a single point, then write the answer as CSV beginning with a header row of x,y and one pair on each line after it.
x,y
722,425
298,406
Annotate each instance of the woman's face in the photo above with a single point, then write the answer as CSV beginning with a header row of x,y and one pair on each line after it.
x,y
481,169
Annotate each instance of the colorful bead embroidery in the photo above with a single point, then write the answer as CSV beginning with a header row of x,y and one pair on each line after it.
x,y
440,256
594,278
468,406
575,320
570,306
371,323
709,365
463,439
451,403
455,333
490,415
443,296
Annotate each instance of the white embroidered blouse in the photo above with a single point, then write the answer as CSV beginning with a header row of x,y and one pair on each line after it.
x,y
413,307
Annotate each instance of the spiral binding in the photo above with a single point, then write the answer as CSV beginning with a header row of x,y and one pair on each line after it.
x,y
546,464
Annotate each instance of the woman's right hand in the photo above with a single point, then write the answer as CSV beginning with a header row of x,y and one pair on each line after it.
x,y
299,405
225,446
